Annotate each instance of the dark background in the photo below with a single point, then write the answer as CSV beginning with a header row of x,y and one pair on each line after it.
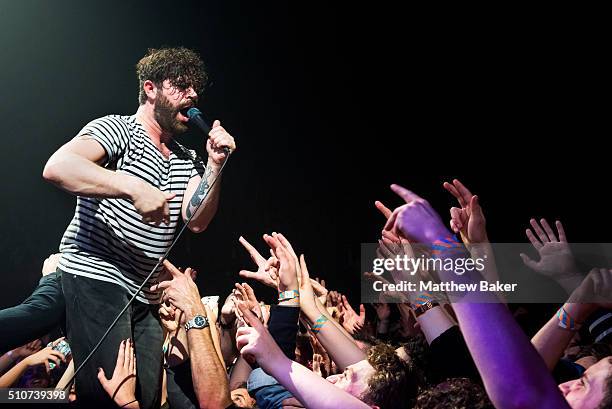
x,y
328,106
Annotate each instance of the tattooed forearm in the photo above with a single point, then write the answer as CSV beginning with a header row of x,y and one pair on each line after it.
x,y
199,193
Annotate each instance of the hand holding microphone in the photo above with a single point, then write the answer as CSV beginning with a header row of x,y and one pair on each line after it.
x,y
220,143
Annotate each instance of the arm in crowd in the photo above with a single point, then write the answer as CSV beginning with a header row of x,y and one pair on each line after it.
x,y
42,357
67,376
310,389
240,373
554,337
336,342
469,222
18,353
208,372
434,321
530,381
332,336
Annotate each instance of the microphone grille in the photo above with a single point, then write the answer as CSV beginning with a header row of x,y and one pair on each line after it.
x,y
193,112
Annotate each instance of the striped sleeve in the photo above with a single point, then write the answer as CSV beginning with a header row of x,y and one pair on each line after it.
x,y
111,132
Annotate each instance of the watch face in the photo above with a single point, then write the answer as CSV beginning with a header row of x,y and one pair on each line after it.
x,y
199,321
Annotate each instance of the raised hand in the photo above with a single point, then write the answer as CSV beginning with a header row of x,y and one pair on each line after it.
x,y
468,220
121,387
267,269
556,259
352,322
228,311
288,270
386,212
333,304
165,275
319,289
169,317
245,294
181,291
596,289
45,355
389,248
317,349
416,221
254,341
383,209
307,294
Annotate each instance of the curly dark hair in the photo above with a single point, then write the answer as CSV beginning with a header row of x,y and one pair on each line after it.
x,y
455,393
418,350
395,383
182,66
598,350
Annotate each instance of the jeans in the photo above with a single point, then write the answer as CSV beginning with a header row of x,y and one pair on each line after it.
x,y
268,393
91,306
36,316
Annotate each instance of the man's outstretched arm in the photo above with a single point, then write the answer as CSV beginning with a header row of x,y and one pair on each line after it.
x,y
207,370
75,168
496,342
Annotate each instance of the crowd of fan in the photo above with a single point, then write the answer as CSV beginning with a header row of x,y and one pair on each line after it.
x,y
314,350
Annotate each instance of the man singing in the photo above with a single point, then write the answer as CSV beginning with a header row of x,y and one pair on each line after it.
x,y
132,181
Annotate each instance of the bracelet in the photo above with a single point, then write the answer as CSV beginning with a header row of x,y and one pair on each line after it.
x,y
319,323
422,299
447,245
566,321
288,295
422,309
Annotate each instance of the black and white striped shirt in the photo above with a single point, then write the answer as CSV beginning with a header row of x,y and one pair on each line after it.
x,y
107,239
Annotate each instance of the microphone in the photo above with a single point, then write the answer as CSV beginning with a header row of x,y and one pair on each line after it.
x,y
197,118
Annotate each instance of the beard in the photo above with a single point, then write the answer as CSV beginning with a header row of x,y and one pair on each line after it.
x,y
165,115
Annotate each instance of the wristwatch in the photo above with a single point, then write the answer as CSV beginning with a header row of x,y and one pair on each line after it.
x,y
197,322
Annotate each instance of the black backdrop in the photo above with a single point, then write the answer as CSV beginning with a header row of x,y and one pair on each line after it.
x,y
328,106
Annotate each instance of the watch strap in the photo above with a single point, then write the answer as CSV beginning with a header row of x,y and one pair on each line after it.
x,y
191,323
